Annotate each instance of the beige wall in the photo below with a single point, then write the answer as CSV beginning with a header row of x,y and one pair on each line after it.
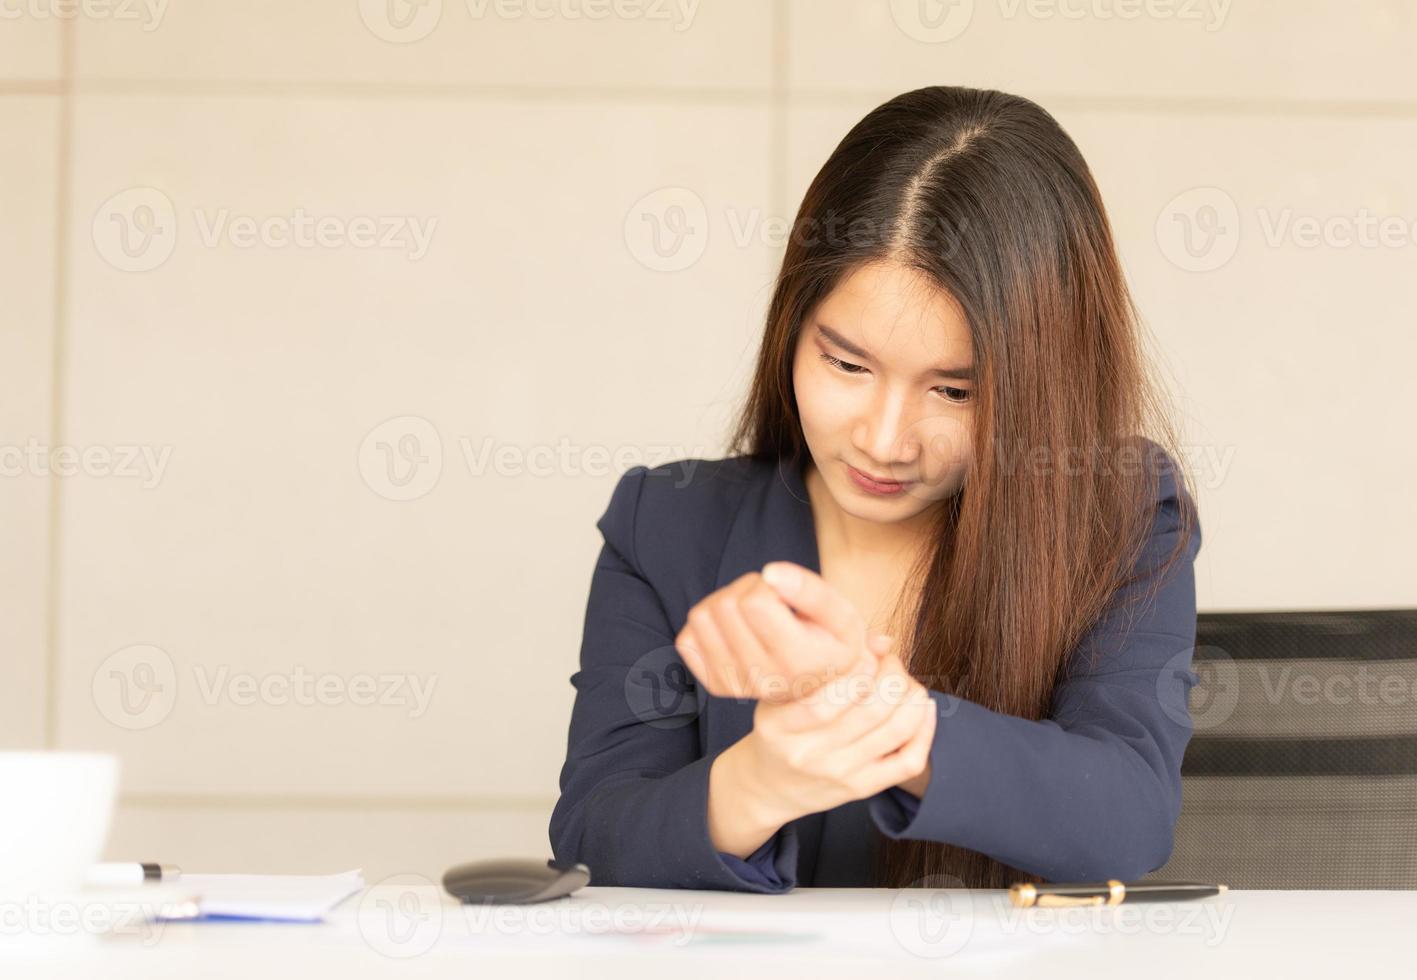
x,y
524,166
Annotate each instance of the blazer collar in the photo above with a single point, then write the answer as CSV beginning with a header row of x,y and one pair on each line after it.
x,y
774,523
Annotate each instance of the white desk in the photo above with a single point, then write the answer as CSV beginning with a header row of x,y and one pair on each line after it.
x,y
408,929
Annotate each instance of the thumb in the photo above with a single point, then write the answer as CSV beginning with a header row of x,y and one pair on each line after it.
x,y
880,643
815,599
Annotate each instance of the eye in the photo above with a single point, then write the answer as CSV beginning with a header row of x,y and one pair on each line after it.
x,y
955,396
841,365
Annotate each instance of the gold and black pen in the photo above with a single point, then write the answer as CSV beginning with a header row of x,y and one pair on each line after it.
x,y
1026,894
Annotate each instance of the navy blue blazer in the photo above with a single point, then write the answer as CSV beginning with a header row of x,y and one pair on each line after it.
x,y
1089,793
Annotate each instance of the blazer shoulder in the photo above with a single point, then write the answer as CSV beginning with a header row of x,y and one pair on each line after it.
x,y
681,508
1175,507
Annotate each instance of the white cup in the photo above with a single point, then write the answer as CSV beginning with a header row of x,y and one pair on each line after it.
x,y
55,809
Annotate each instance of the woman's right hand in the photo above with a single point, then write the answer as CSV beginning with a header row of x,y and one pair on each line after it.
x,y
847,740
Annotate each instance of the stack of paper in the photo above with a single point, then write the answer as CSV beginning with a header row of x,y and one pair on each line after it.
x,y
285,898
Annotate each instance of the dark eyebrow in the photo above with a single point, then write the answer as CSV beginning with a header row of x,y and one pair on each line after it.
x,y
957,372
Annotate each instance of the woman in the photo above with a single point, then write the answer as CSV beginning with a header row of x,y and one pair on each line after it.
x,y
941,488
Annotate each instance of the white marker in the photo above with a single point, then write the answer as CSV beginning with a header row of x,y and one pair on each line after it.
x,y
128,874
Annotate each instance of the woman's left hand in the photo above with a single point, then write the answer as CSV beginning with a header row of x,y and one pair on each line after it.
x,y
775,636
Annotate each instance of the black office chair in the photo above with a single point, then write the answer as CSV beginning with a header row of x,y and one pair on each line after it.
x,y
1302,770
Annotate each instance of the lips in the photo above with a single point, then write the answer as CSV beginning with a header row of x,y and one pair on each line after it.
x,y
883,481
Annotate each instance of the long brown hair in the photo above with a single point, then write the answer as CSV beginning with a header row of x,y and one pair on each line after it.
x,y
985,194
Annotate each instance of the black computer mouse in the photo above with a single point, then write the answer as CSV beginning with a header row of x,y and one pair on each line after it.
x,y
514,881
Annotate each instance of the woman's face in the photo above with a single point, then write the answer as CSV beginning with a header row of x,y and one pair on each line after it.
x,y
883,373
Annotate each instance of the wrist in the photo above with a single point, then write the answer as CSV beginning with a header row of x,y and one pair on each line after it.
x,y
917,785
736,817
742,812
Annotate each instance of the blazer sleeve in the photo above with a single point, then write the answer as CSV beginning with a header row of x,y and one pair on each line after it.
x,y
633,805
760,866
1094,791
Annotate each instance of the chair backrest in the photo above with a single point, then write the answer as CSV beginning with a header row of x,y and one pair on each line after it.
x,y
1302,769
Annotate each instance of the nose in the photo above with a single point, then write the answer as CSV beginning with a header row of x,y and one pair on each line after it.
x,y
883,437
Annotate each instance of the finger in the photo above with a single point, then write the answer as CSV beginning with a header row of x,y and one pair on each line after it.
x,y
701,648
858,706
897,730
815,599
749,670
912,757
710,648
889,691
814,711
687,646
902,764
823,708
880,644
791,645
808,653
771,618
